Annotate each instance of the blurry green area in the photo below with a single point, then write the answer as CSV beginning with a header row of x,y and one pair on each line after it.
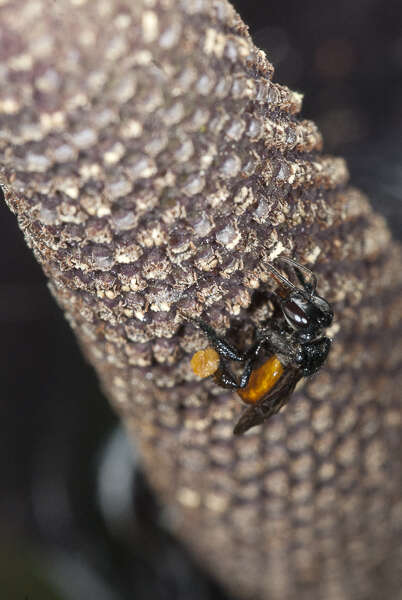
x,y
24,573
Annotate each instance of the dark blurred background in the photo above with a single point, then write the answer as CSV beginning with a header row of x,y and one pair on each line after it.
x,y
77,520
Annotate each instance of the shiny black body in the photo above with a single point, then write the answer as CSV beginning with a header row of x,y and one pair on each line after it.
x,y
294,335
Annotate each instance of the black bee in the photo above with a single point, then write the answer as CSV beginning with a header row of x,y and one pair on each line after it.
x,y
293,341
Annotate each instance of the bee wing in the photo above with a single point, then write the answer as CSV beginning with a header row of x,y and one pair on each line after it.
x,y
300,271
271,403
285,286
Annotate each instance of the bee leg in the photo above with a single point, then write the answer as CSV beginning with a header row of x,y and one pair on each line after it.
x,y
248,369
252,355
223,348
225,378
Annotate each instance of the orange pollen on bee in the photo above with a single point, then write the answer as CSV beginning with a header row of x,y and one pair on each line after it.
x,y
205,362
261,381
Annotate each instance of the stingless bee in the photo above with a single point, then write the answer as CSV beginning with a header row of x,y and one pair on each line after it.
x,y
292,344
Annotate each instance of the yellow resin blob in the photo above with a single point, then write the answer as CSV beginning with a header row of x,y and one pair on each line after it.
x,y
261,381
205,362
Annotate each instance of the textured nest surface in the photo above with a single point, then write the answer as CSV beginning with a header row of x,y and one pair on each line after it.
x,y
155,170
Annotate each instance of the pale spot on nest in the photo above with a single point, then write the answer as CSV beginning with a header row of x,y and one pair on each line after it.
x,y
218,197
216,503
131,129
119,187
231,49
122,21
276,251
150,26
193,185
206,261
199,118
184,151
124,89
142,167
228,237
87,37
42,46
188,498
142,57
262,211
230,167
116,47
184,81
101,258
205,84
22,62
114,154
208,156
124,219
313,255
326,471
202,227
235,129
170,36
128,254
84,139
9,106
223,86
71,190
37,163
283,174
214,42
63,153
119,381
174,114
48,216
89,170
193,7
156,144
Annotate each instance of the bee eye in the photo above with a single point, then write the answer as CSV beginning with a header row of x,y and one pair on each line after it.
x,y
325,313
295,314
